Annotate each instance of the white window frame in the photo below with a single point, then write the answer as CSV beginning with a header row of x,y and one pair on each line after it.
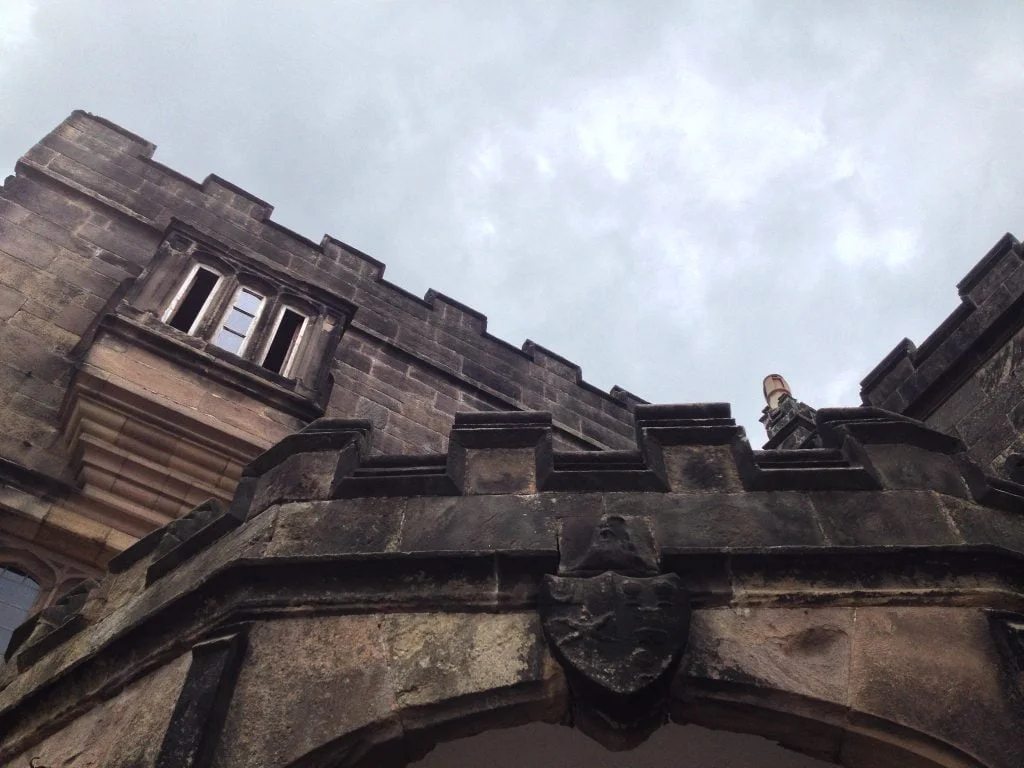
x,y
296,341
252,326
183,291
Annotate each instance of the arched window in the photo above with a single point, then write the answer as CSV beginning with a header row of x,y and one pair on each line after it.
x,y
17,596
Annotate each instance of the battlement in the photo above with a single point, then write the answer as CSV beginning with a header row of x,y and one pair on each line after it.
x,y
123,202
694,448
93,155
964,378
883,486
916,380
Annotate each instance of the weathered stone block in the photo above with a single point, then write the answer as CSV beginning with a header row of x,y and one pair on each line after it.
x,y
889,518
123,732
300,476
305,683
935,670
737,520
435,657
477,524
508,470
985,526
798,650
701,468
316,529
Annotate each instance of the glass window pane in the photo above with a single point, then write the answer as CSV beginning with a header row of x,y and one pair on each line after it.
x,y
17,594
248,301
229,340
239,322
17,588
11,615
20,594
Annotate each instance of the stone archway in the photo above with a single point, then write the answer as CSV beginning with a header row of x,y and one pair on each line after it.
x,y
707,730
460,733
383,690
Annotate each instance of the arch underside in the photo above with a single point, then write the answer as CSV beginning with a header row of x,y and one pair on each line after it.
x,y
866,687
827,734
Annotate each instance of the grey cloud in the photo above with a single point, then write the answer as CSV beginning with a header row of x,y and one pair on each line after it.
x,y
681,198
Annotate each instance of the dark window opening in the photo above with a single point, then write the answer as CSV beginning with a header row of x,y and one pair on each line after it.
x,y
281,345
192,303
17,596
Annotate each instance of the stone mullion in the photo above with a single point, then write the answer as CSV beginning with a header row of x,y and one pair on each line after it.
x,y
254,350
224,294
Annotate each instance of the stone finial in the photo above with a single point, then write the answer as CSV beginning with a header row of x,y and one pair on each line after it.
x,y
775,389
788,422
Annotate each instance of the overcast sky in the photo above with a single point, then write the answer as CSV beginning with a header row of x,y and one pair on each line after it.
x,y
681,198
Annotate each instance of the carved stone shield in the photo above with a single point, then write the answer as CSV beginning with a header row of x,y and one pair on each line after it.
x,y
622,633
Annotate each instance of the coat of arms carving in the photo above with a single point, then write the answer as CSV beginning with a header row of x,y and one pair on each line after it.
x,y
616,625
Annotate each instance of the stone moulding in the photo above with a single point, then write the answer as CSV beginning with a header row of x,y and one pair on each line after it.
x,y
52,626
319,528
187,536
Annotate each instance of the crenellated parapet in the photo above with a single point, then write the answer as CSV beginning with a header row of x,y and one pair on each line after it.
x,y
102,165
679,449
880,479
965,378
128,415
326,542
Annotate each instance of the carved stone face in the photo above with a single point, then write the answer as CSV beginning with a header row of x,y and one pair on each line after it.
x,y
615,545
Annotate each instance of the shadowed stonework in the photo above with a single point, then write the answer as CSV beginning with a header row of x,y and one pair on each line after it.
x,y
543,746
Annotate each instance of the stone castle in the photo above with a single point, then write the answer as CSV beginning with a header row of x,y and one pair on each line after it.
x,y
261,507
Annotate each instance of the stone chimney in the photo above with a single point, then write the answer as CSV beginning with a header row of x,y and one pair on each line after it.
x,y
788,422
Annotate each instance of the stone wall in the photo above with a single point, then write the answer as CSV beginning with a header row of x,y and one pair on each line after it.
x,y
108,434
859,602
967,378
123,732
88,208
